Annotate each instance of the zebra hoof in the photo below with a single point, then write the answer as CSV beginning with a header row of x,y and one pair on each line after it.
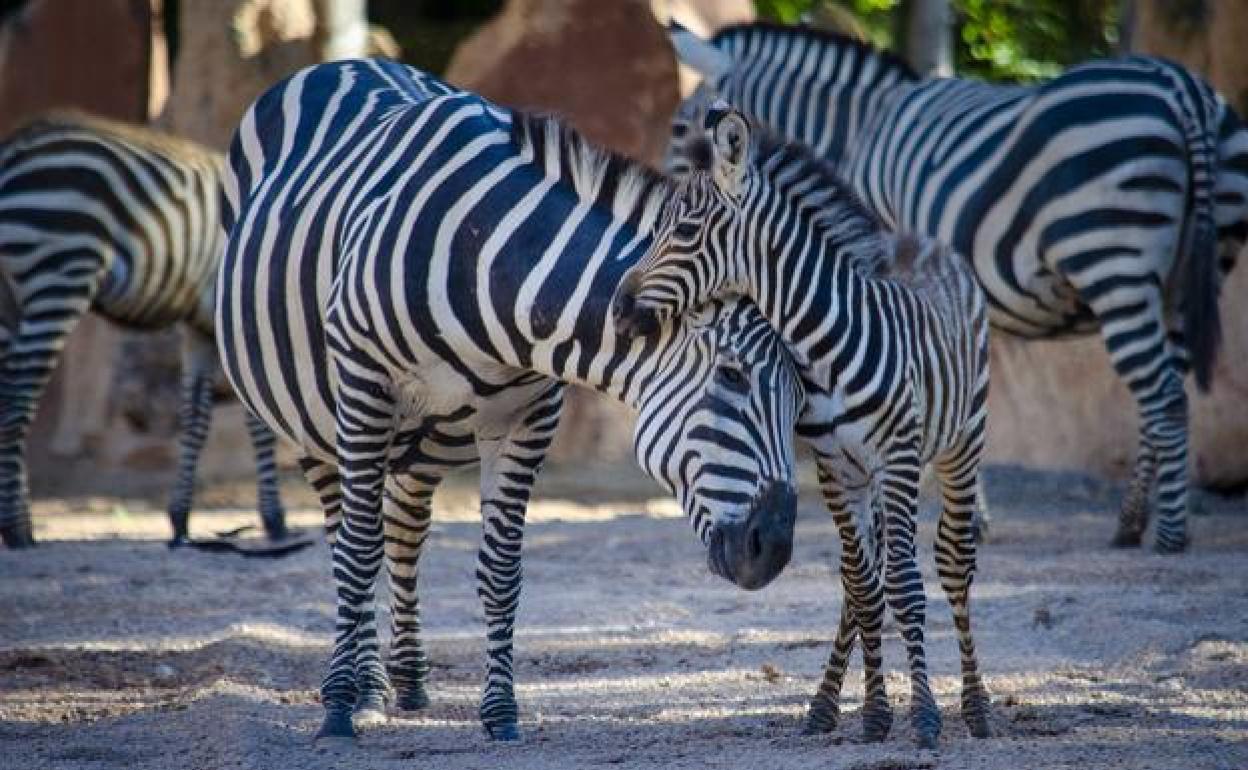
x,y
336,730
926,723
503,731
275,525
1127,539
370,711
1171,547
179,541
820,719
17,536
877,722
975,714
412,699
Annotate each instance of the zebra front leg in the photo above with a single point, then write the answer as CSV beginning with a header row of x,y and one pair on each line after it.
x,y
825,708
194,420
408,502
509,468
268,489
959,477
365,423
904,586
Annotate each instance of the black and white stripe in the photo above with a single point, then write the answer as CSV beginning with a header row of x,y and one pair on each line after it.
x,y
411,275
101,216
1112,198
890,336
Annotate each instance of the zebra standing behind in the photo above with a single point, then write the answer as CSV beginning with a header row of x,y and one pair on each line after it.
x,y
890,335
1113,198
99,215
411,274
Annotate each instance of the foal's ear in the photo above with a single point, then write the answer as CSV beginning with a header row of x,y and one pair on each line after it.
x,y
730,133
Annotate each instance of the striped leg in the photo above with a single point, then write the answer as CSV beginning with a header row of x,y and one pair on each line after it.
x,y
904,587
364,431
958,475
407,511
28,363
509,468
268,489
194,420
1136,337
862,612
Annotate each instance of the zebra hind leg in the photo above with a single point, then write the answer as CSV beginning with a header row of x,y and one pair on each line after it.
x,y
407,511
958,472
268,489
194,420
509,468
1133,517
904,586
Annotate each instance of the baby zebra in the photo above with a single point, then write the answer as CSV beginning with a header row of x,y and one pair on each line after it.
x,y
98,215
890,337
412,272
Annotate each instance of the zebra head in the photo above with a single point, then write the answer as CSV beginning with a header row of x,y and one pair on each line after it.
x,y
696,253
715,426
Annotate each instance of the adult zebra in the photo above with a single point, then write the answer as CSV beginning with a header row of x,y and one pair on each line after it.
x,y
411,274
1098,201
890,335
100,215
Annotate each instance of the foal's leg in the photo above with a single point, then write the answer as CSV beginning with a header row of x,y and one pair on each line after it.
x,y
958,473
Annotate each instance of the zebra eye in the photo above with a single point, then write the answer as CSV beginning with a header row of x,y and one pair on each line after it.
x,y
686,231
732,376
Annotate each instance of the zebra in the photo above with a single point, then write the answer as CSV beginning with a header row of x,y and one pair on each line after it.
x,y
1098,201
412,273
890,336
100,215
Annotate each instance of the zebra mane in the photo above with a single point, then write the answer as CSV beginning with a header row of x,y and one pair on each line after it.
x,y
631,189
824,199
135,135
752,35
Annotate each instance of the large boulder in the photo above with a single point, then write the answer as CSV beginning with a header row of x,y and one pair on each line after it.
x,y
606,67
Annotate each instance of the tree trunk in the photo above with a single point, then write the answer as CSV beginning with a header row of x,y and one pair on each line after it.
x,y
926,36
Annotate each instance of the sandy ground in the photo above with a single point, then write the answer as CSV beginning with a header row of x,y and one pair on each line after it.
x,y
118,653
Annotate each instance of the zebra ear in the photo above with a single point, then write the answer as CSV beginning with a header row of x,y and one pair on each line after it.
x,y
731,135
703,57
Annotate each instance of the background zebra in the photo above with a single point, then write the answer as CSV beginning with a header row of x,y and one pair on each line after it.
x,y
891,338
98,215
1098,201
410,273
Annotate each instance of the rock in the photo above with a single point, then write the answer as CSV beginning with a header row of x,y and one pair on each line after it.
x,y
93,55
606,67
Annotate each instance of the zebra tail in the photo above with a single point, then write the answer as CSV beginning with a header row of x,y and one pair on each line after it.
x,y
1199,280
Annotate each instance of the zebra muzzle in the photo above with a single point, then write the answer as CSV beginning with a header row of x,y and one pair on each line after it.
x,y
754,551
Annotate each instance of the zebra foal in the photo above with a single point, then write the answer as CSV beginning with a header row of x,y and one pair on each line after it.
x,y
411,275
890,336
1112,199
101,216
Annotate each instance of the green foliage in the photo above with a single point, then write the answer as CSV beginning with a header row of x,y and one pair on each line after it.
x,y
1011,40
1026,40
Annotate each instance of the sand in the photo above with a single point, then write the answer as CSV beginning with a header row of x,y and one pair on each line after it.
x,y
116,652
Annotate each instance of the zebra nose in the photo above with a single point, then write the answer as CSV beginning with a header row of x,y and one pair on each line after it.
x,y
631,320
754,551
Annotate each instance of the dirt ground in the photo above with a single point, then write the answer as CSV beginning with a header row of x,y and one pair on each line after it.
x,y
117,653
